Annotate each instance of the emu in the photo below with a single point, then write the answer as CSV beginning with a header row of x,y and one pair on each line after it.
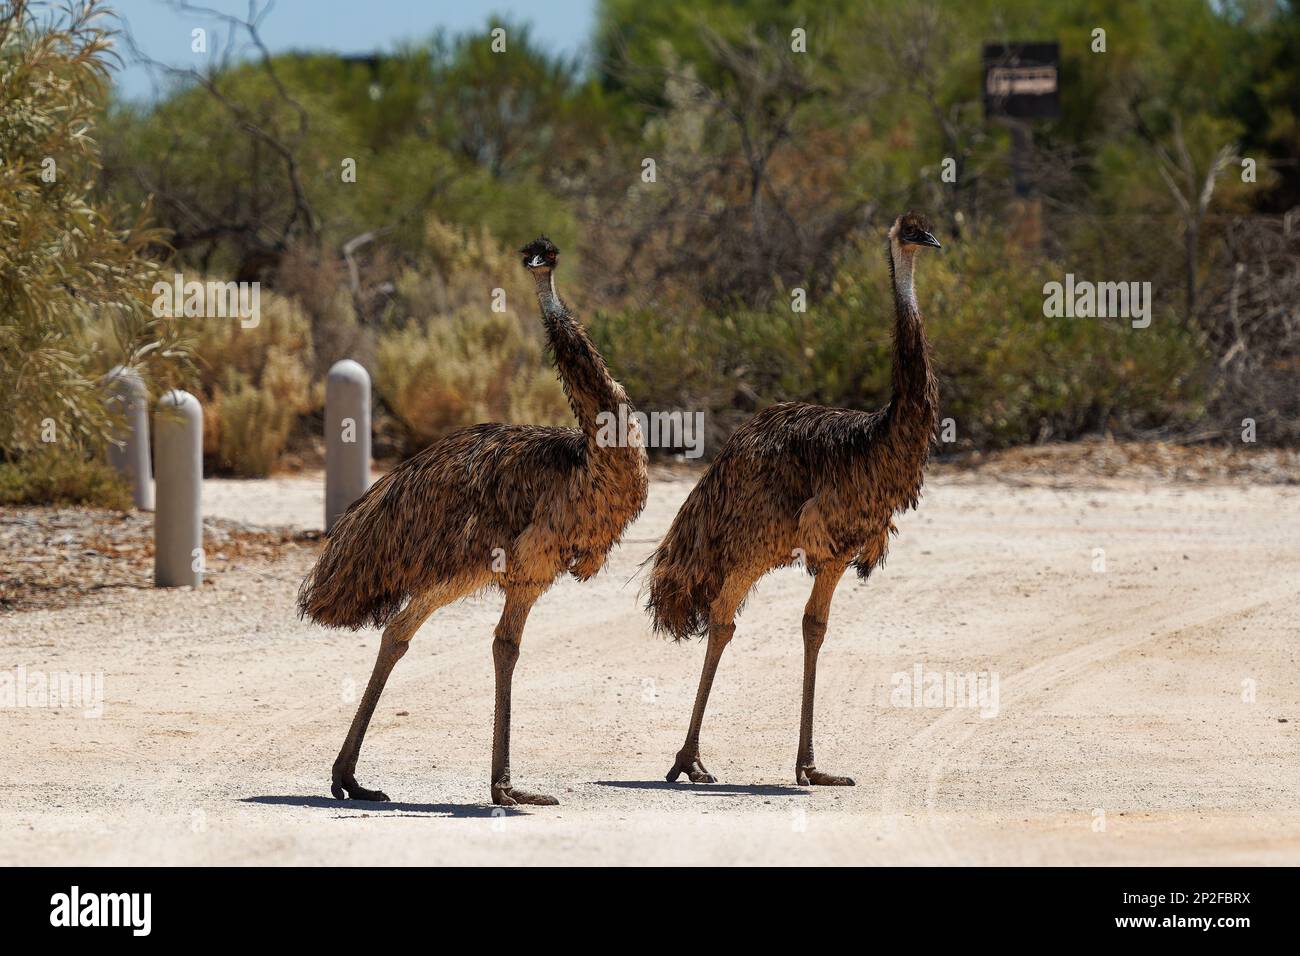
x,y
539,501
799,480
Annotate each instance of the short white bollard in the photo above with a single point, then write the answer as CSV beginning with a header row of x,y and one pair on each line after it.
x,y
131,456
347,437
178,519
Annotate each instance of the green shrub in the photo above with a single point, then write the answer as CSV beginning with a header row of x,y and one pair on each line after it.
x,y
1007,373
70,262
58,477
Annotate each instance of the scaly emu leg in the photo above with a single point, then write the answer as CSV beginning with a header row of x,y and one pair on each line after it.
x,y
396,639
722,626
815,615
505,652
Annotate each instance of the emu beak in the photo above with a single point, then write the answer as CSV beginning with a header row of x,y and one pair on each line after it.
x,y
927,239
534,262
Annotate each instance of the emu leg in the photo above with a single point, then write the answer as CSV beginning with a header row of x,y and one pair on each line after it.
x,y
505,652
396,639
345,765
688,758
814,633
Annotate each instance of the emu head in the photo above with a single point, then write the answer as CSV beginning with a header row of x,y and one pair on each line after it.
x,y
911,230
540,254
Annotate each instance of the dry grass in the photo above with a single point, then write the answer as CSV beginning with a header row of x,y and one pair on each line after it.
x,y
256,382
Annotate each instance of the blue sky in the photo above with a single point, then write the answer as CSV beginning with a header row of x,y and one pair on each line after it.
x,y
341,26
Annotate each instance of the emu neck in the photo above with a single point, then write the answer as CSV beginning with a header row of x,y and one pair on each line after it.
x,y
587,383
915,402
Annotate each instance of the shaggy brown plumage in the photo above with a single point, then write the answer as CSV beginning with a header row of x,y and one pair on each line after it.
x,y
462,507
494,505
796,482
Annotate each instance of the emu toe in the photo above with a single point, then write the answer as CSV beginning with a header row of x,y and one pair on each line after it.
x,y
693,769
812,777
509,796
347,788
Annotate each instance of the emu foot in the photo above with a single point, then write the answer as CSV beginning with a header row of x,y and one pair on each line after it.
x,y
345,787
689,764
812,777
504,795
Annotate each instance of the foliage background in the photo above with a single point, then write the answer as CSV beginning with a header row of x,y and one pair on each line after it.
x,y
775,170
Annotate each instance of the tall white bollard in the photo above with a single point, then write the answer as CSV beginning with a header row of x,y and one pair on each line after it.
x,y
347,437
131,457
178,519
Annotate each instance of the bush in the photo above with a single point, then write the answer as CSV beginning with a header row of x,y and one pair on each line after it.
x,y
1007,373
59,477
254,422
317,286
68,261
459,370
256,383
447,360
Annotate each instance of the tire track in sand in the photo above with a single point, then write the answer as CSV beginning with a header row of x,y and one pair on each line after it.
x,y
935,746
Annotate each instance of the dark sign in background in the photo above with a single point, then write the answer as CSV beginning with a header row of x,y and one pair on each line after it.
x,y
1020,80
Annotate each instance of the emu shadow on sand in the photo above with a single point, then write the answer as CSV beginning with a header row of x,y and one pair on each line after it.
x,y
546,500
795,480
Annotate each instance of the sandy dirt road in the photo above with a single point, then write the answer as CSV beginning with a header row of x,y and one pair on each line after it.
x,y
1147,713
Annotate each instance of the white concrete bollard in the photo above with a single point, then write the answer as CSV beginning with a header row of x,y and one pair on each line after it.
x,y
347,437
178,519
131,457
